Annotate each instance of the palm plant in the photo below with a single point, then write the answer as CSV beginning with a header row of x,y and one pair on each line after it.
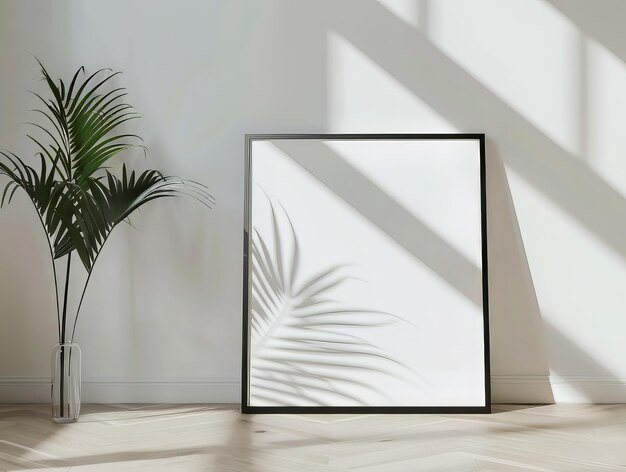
x,y
78,200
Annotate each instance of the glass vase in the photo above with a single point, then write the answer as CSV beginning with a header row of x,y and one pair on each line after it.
x,y
65,383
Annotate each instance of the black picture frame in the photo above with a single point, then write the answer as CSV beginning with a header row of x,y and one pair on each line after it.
x,y
246,408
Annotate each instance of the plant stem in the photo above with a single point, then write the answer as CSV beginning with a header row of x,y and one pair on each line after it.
x,y
80,303
56,292
54,269
62,370
93,264
65,296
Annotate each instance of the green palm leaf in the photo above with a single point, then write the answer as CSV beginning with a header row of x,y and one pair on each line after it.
x,y
79,202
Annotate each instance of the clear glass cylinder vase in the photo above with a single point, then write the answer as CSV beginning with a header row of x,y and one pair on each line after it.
x,y
65,383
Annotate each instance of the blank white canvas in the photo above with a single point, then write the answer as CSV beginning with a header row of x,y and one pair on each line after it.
x,y
365,280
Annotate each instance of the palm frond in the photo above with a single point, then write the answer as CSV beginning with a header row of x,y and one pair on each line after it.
x,y
77,200
80,208
99,205
303,342
85,119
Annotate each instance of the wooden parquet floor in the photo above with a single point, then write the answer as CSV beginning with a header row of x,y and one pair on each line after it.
x,y
218,438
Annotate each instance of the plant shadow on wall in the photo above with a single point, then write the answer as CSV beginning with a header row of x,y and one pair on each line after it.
x,y
78,200
303,347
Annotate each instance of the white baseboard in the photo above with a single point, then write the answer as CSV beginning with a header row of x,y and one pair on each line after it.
x,y
577,389
532,389
37,390
557,389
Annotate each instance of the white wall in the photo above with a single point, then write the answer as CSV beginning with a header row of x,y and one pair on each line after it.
x,y
545,80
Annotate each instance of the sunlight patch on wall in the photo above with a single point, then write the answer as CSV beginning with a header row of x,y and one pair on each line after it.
x,y
526,54
453,232
579,281
407,10
607,115
363,97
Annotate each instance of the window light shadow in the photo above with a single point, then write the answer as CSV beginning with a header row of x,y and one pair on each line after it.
x,y
514,312
469,105
603,21
466,103
392,218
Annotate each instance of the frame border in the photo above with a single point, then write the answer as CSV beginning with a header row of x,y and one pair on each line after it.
x,y
246,408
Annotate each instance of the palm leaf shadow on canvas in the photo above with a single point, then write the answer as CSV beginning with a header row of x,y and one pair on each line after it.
x,y
304,346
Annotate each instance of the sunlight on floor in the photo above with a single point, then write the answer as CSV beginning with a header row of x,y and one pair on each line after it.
x,y
218,438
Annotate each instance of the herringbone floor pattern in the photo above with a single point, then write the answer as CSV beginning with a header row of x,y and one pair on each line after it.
x,y
217,438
